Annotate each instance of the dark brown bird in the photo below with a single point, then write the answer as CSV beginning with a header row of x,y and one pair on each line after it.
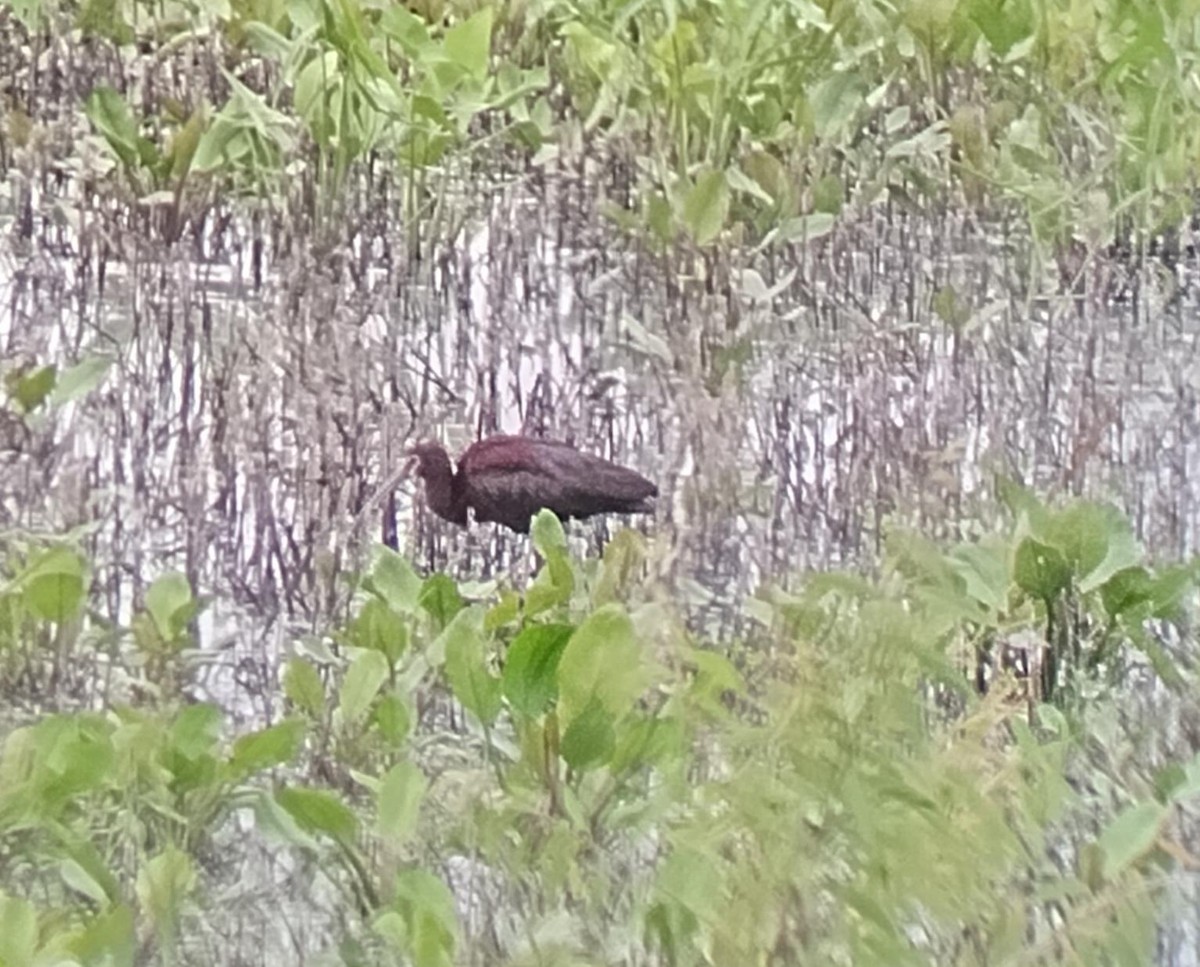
x,y
508,479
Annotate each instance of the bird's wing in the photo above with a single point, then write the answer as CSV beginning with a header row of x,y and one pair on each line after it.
x,y
583,478
506,495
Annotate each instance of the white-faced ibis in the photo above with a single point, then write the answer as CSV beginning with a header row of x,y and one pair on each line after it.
x,y
508,479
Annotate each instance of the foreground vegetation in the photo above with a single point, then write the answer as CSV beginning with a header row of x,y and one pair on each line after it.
x,y
858,780
975,759
752,121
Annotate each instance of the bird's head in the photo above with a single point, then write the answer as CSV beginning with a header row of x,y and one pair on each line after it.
x,y
431,459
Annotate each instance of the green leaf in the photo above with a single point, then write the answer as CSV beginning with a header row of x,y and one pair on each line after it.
x,y
1127,590
400,794
111,116
624,557
170,605
531,665
549,538
427,909
197,730
162,886
556,581
441,600
18,931
647,741
468,44
706,206
75,877
392,718
1170,589
81,379
590,739
303,687
364,678
806,228
29,389
467,667
319,811
108,940
984,569
1131,835
1041,570
1081,532
53,585
378,628
505,611
267,747
602,660
394,580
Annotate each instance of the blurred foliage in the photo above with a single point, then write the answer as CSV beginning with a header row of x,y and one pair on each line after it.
x,y
883,772
741,119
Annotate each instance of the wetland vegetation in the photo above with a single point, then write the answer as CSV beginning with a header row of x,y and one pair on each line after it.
x,y
895,303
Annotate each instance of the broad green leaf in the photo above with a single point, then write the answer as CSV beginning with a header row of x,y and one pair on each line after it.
x,y
108,939
531,665
468,44
1127,590
18,931
549,538
1170,588
1131,835
170,605
394,580
1041,570
806,228
407,29
303,686
30,388
319,811
81,378
590,738
706,206
556,581
467,666
1081,532
378,628
392,718
836,101
427,909
111,116
53,585
197,730
364,678
440,598
84,869
602,660
984,569
400,794
267,747
76,878
646,741
506,611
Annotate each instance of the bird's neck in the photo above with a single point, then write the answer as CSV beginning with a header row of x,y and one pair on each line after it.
x,y
443,493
